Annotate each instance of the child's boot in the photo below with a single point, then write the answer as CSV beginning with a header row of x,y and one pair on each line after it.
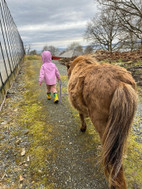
x,y
56,100
48,96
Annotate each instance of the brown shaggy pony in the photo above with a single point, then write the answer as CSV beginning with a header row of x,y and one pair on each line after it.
x,y
107,94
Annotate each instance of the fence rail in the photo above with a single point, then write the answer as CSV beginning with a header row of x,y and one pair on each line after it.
x,y
11,44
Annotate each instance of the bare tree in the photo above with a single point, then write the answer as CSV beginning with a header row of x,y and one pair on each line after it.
x,y
105,31
33,52
129,14
79,49
54,51
89,49
76,48
131,42
27,49
45,48
73,46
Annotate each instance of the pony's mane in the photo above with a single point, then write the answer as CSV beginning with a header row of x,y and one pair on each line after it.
x,y
85,59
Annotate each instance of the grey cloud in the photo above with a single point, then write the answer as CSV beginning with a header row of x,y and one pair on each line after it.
x,y
49,36
52,13
47,11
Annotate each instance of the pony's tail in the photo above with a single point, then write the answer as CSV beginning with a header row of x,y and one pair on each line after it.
x,y
121,114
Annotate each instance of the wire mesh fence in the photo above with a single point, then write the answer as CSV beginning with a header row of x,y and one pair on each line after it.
x,y
11,44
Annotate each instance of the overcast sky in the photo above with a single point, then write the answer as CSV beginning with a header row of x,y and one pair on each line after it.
x,y
52,22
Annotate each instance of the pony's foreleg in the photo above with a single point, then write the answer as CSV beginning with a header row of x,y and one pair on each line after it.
x,y
83,126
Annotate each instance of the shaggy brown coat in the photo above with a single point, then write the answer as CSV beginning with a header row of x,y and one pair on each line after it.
x,y
107,94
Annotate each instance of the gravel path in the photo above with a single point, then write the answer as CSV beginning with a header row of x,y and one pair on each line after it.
x,y
41,143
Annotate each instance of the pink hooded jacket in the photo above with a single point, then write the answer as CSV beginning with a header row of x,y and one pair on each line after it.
x,y
48,71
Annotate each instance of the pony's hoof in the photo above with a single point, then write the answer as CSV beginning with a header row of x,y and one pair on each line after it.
x,y
83,130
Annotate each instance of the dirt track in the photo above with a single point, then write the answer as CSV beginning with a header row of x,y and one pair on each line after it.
x,y
42,146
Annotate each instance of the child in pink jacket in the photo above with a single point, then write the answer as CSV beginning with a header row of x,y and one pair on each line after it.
x,y
49,73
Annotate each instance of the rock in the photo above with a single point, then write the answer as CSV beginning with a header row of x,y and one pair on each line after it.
x,y
23,152
4,123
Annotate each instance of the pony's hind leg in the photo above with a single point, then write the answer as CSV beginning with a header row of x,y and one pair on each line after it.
x,y
83,126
